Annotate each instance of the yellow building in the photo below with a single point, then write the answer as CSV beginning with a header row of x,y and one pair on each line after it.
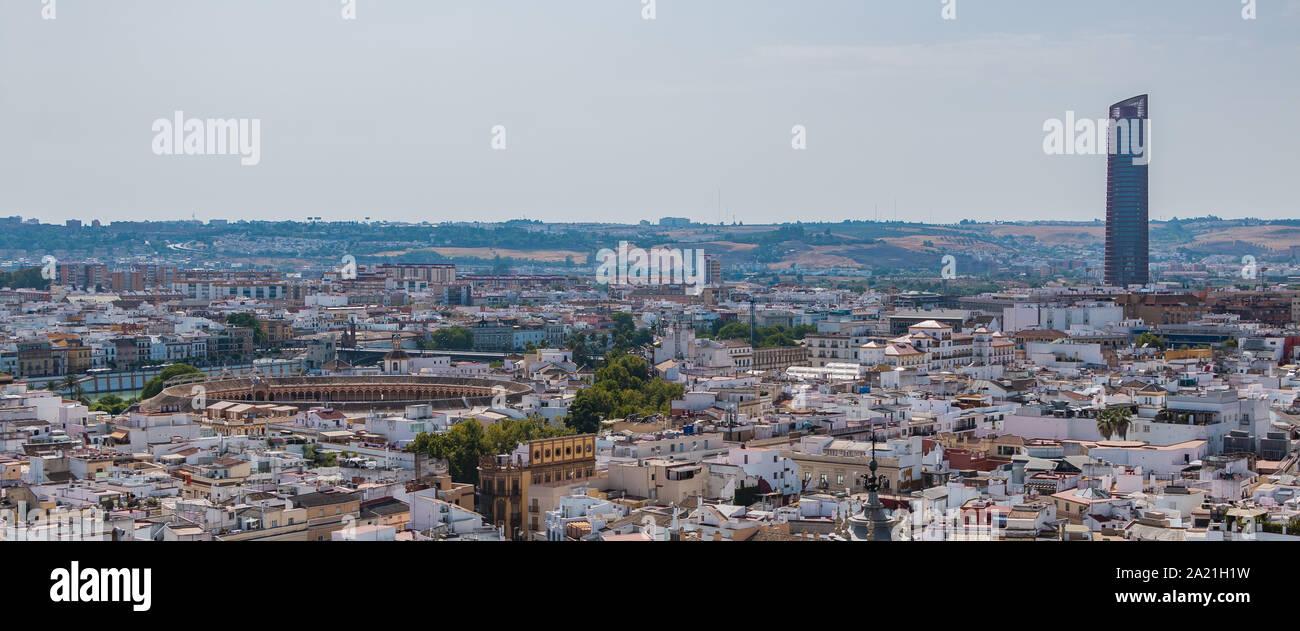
x,y
503,480
1189,353
77,357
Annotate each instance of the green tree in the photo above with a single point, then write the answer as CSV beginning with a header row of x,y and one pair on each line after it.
x,y
26,278
1105,424
112,404
764,336
505,435
621,388
589,408
1121,418
1114,421
626,335
155,385
452,338
1150,339
461,446
71,386
581,353
733,331
249,321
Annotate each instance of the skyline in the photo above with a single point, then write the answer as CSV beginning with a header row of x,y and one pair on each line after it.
x,y
412,272
613,118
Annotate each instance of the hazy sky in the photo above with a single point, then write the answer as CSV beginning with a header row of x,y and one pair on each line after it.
x,y
611,117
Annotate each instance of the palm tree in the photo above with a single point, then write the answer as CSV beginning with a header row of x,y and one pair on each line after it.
x,y
1121,419
71,385
1106,423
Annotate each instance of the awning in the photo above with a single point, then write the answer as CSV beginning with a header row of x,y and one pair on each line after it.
x,y
118,435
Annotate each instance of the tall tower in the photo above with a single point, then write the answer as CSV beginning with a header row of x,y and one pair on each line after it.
x,y
872,524
1128,151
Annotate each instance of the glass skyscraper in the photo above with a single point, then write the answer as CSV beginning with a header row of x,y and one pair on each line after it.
x,y
1128,152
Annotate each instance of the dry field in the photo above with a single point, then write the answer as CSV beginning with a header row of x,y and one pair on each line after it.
x,y
545,256
1049,234
1270,237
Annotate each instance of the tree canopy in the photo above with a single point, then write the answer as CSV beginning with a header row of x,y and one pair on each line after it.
x,y
626,335
112,404
249,321
26,278
463,444
1150,339
1114,421
155,385
622,388
452,338
764,336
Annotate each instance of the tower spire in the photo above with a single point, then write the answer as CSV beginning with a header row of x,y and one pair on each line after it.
x,y
872,524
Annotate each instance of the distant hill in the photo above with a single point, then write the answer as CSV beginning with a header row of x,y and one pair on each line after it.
x,y
847,244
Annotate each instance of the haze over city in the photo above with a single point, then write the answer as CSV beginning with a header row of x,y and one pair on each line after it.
x,y
610,117
893,275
